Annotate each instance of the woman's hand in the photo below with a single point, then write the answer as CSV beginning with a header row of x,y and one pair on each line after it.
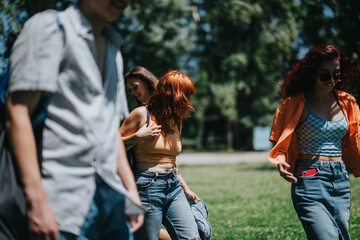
x,y
190,195
148,133
283,170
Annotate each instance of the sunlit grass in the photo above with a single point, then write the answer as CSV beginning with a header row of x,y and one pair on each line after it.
x,y
251,201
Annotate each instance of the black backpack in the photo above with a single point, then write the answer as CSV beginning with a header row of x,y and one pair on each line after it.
x,y
13,220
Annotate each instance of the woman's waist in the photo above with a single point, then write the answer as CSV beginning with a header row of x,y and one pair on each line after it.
x,y
154,157
320,158
159,167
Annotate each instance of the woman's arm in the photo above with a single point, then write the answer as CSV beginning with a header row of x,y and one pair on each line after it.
x,y
132,133
190,195
20,106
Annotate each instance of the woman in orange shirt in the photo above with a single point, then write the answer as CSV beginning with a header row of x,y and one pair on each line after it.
x,y
315,132
161,186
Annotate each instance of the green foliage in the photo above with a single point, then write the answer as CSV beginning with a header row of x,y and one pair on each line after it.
x,y
225,96
11,20
246,47
236,51
331,21
158,35
13,15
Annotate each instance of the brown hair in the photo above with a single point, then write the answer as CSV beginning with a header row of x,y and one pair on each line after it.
x,y
145,76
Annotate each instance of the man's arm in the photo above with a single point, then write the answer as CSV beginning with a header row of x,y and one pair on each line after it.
x,y
127,177
20,107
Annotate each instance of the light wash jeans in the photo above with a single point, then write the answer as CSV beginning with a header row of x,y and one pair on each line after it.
x,y
167,203
322,201
106,218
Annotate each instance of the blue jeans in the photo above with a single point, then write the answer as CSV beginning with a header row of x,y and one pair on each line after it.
x,y
167,204
322,201
106,218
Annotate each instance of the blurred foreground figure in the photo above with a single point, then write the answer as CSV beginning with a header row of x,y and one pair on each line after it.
x,y
315,132
72,59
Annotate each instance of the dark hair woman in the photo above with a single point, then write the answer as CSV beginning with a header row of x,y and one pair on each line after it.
x,y
315,132
141,84
160,185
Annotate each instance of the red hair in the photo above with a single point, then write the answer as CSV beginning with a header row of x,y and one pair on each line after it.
x,y
301,77
170,103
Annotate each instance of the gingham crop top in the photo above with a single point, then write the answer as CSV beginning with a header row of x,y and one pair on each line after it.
x,y
317,136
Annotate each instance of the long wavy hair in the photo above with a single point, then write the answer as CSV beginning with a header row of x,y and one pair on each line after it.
x,y
170,103
301,77
145,76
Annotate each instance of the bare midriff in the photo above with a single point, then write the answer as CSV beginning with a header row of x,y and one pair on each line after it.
x,y
319,158
156,167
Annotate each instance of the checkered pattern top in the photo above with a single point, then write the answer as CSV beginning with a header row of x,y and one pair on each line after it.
x,y
317,136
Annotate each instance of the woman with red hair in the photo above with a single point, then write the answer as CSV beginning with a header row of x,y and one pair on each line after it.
x,y
161,187
315,132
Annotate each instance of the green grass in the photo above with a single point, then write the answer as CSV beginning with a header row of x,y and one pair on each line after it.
x,y
251,201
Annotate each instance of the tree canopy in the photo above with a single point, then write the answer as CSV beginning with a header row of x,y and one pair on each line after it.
x,y
236,51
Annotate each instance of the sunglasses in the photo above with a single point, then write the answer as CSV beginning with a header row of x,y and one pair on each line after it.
x,y
326,77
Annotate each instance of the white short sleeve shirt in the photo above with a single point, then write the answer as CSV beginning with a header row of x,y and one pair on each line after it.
x,y
83,116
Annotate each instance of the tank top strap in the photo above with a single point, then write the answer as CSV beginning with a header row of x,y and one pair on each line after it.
x,y
307,106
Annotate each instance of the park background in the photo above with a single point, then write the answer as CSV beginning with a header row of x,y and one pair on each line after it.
x,y
236,52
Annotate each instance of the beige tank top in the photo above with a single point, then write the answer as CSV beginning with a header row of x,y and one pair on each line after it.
x,y
162,149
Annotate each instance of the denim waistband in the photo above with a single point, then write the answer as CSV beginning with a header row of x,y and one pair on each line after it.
x,y
161,175
319,164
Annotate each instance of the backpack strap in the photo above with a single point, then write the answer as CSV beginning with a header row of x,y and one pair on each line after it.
x,y
147,116
4,79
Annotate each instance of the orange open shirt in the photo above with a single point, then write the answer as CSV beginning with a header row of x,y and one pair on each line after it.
x,y
284,137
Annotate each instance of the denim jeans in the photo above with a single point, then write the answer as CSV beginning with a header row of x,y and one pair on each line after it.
x,y
106,218
167,204
322,201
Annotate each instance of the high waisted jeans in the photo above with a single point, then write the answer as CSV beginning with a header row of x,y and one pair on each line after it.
x,y
167,203
322,201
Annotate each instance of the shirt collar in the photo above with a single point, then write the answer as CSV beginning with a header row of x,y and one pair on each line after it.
x,y
84,29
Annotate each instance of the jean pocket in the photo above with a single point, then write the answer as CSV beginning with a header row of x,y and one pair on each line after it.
x,y
346,174
143,183
306,172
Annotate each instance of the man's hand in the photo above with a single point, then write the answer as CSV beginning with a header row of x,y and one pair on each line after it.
x,y
136,222
42,221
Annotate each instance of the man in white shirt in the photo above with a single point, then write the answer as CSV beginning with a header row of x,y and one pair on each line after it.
x,y
73,56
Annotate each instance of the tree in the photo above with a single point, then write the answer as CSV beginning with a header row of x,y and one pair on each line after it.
x,y
14,13
336,22
158,35
245,48
329,21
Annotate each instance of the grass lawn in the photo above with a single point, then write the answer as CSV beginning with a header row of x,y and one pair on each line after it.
x,y
251,201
